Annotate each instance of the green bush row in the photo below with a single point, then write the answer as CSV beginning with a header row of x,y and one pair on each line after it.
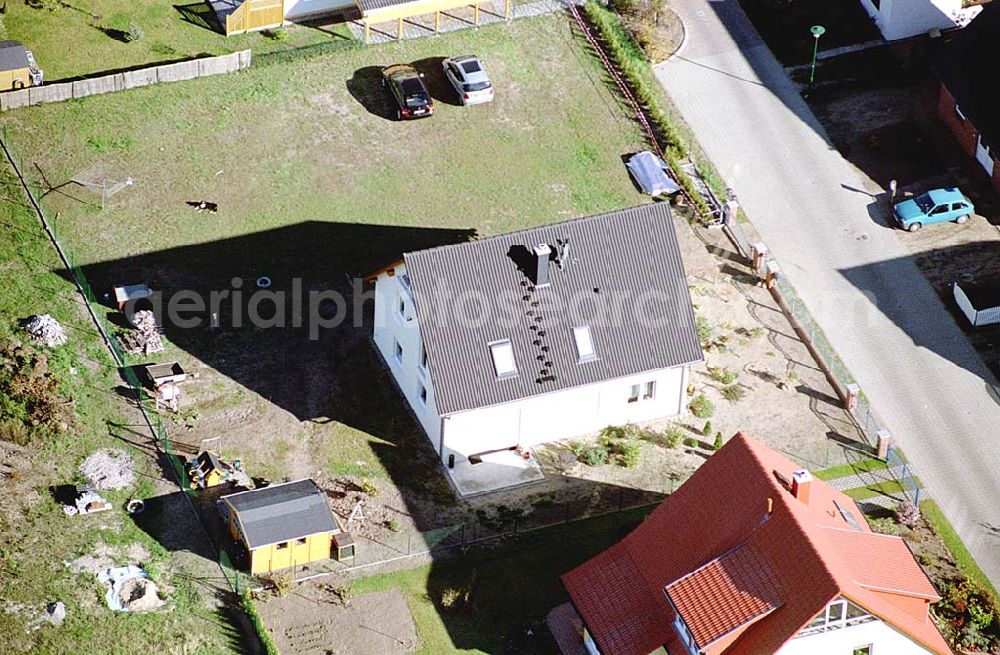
x,y
266,640
633,65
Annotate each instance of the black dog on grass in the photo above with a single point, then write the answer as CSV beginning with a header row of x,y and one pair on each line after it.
x,y
204,206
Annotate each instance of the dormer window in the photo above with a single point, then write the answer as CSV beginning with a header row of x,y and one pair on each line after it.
x,y
503,359
584,344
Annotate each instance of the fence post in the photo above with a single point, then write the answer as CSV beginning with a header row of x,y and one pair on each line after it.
x,y
759,252
884,444
851,402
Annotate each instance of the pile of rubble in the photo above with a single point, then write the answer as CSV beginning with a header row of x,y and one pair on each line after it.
x,y
145,338
109,468
45,331
138,594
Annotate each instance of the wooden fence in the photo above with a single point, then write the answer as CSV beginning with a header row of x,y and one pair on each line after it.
x,y
182,70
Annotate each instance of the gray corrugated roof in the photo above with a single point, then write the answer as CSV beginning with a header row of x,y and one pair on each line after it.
x,y
626,255
368,5
282,512
12,56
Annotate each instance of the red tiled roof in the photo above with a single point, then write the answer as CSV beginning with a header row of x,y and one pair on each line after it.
x,y
726,594
814,555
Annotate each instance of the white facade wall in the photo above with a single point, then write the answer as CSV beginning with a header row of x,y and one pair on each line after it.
x,y
899,19
527,422
884,639
563,414
390,329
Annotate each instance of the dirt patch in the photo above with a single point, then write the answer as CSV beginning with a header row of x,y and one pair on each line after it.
x,y
314,621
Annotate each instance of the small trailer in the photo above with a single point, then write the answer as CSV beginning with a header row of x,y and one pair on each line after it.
x,y
979,301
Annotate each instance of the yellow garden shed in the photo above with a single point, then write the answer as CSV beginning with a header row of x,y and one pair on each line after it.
x,y
284,525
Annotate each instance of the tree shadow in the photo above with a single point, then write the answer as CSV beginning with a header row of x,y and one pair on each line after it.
x,y
366,87
118,35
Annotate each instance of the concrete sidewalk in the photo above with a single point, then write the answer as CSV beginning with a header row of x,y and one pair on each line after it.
x,y
815,212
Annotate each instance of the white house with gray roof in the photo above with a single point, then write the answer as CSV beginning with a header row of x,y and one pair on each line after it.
x,y
539,335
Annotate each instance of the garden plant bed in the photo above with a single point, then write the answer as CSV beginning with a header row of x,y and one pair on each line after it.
x,y
967,614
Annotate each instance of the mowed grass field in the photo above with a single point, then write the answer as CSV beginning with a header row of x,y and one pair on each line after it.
x,y
285,144
312,179
96,31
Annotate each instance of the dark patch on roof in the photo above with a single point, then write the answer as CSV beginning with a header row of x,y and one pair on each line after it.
x,y
282,512
967,68
624,278
13,56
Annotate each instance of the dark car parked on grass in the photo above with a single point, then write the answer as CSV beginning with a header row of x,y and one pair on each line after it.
x,y
408,91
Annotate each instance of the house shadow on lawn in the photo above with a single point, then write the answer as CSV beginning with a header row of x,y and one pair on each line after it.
x,y
307,351
311,354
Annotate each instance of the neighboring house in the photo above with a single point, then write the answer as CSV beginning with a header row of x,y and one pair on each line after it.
x,y
899,19
533,336
237,16
752,556
285,525
969,102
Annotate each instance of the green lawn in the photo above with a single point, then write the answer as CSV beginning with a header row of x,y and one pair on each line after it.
x,y
854,468
84,37
511,586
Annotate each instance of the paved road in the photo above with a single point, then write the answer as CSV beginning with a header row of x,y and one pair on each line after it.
x,y
912,360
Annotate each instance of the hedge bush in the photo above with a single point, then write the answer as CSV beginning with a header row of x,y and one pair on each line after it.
x,y
266,640
635,68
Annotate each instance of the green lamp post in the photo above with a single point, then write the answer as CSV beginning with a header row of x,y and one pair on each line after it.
x,y
817,31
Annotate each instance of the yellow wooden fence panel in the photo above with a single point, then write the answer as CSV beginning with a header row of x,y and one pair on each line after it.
x,y
255,15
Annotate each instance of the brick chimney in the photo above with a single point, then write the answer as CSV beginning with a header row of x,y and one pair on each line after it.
x,y
801,482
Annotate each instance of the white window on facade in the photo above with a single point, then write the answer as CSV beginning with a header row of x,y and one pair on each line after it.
x,y
503,359
422,394
584,344
685,635
423,357
840,613
642,391
401,307
399,352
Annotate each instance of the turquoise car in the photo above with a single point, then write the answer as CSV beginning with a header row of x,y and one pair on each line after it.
x,y
936,206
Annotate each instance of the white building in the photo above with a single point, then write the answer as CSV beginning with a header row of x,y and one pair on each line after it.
x,y
534,336
899,19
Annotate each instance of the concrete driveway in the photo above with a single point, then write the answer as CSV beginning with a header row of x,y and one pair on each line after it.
x,y
812,208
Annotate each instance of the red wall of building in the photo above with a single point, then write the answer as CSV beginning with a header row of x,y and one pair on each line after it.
x,y
964,131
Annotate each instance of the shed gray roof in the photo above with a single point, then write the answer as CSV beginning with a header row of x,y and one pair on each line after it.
x,y
282,512
13,56
369,5
624,278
